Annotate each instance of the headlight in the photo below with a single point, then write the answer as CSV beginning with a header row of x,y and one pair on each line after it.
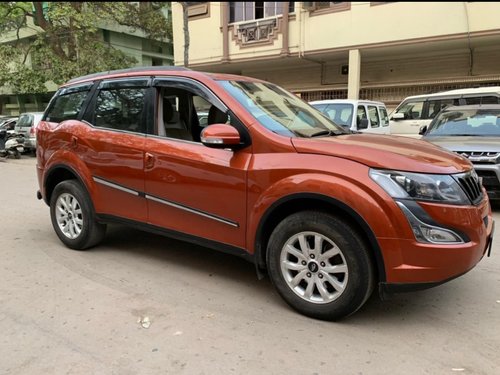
x,y
417,186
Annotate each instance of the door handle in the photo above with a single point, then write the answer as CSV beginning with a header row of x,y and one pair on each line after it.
x,y
149,160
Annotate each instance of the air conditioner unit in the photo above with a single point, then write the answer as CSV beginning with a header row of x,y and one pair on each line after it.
x,y
308,5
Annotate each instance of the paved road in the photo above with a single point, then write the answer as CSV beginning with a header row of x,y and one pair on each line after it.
x,y
70,312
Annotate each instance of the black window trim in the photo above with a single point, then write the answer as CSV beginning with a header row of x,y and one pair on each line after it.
x,y
68,91
114,84
206,93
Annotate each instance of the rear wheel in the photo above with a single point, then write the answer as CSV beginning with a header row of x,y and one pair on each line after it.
x,y
73,217
320,265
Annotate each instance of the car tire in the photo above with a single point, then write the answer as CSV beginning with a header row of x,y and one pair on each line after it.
x,y
320,265
73,216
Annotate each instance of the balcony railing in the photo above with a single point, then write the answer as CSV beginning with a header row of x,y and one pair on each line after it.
x,y
256,31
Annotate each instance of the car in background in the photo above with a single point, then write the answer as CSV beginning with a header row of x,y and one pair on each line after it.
x,y
8,124
356,115
419,110
26,126
203,118
472,131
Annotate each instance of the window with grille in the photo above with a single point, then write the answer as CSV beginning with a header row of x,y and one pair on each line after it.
x,y
254,10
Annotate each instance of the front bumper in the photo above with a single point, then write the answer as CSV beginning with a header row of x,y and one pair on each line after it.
x,y
490,174
411,265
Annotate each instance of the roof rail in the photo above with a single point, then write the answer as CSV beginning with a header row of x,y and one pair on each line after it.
x,y
129,70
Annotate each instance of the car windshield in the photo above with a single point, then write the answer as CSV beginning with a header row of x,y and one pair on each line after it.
x,y
466,122
339,113
280,111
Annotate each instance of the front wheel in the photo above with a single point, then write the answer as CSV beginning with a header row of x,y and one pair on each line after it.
x,y
320,265
73,216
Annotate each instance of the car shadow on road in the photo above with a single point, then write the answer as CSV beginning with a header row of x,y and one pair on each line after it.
x,y
183,255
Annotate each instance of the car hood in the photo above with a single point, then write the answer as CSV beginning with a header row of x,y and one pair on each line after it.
x,y
386,152
473,144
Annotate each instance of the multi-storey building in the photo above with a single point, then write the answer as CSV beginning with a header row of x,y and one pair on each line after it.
x,y
370,50
133,43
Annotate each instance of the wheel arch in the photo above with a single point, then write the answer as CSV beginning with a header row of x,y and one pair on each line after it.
x,y
309,201
56,174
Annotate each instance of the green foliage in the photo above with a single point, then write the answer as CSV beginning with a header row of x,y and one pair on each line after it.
x,y
69,42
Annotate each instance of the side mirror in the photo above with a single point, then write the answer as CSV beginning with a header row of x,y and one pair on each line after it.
x,y
398,116
363,124
422,130
220,136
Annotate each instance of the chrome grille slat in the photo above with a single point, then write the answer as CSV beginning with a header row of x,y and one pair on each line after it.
x,y
469,182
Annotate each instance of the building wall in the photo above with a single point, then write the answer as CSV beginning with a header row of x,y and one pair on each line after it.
x,y
406,48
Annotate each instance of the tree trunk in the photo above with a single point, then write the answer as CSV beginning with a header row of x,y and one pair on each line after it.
x,y
186,33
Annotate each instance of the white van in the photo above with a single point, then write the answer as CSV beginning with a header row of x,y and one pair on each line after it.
x,y
356,115
417,111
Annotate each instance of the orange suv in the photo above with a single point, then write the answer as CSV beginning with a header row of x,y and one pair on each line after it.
x,y
328,214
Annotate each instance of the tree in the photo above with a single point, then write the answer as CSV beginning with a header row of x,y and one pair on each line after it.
x,y
67,42
185,20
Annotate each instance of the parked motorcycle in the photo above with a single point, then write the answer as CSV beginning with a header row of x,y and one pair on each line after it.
x,y
11,145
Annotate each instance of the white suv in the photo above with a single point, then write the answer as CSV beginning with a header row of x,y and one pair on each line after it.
x,y
356,115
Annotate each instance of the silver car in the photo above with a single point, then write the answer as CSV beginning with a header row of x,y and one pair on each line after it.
x,y
472,131
26,125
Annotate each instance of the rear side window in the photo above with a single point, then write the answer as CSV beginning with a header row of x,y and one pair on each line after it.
x,y
361,114
67,107
412,110
480,100
374,119
120,109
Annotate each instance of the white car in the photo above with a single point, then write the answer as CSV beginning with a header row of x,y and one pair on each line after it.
x,y
26,125
415,112
356,115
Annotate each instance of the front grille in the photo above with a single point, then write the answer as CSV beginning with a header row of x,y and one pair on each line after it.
x,y
478,157
469,182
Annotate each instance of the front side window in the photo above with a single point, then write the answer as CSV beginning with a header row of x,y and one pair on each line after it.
x,y
67,107
411,110
374,119
280,111
120,109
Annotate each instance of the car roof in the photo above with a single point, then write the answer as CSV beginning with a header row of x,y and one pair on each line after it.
x,y
482,91
158,71
346,101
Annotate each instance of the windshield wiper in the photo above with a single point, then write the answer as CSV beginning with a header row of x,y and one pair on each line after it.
x,y
322,132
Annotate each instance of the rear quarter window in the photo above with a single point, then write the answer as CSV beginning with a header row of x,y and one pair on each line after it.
x,y
67,107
